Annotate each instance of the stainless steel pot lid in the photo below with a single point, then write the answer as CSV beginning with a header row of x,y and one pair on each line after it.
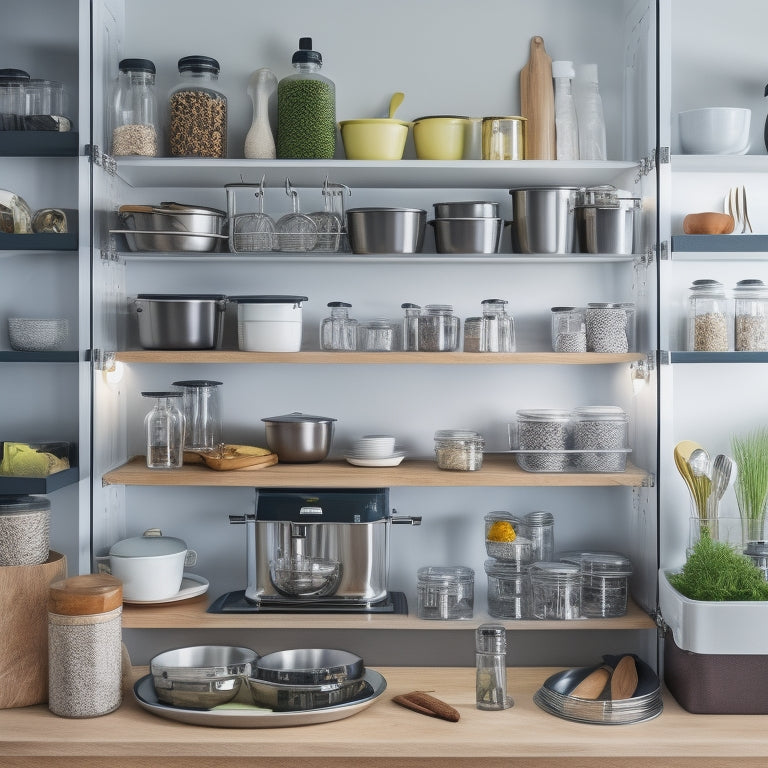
x,y
297,417
274,299
150,544
181,296
181,208
197,383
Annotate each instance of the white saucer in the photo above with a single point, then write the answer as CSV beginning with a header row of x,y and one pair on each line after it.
x,y
192,585
384,461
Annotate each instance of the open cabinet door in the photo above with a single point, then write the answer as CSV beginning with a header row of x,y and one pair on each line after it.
x,y
108,287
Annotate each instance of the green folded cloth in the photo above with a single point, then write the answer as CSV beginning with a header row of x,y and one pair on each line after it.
x,y
22,460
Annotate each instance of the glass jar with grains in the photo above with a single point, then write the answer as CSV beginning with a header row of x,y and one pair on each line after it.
x,y
198,110
134,110
751,316
709,326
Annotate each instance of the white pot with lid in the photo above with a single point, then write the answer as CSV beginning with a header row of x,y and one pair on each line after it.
x,y
151,566
269,323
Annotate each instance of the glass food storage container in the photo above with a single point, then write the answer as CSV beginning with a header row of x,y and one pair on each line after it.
x,y
498,327
473,328
503,540
378,336
164,431
539,528
708,317
750,316
543,436
604,582
508,590
459,449
445,592
135,128
609,327
338,332
569,329
13,85
600,433
438,329
411,327
555,590
198,110
202,414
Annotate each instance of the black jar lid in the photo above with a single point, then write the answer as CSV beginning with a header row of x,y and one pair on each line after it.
x,y
339,304
13,76
267,299
198,64
305,54
197,383
137,65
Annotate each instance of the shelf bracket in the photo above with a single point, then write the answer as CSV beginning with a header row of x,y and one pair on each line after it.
x,y
109,254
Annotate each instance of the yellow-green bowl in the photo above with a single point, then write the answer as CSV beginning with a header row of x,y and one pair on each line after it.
x,y
374,139
440,137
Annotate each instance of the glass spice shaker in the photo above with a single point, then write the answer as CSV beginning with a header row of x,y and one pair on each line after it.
x,y
135,129
164,431
750,316
491,667
411,327
198,110
708,317
498,327
339,331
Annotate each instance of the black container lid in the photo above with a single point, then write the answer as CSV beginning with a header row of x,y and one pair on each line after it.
x,y
163,394
198,64
305,54
275,299
13,75
182,296
339,304
137,65
328,505
197,383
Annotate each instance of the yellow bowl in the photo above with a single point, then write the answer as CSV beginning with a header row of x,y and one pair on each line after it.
x,y
374,139
440,137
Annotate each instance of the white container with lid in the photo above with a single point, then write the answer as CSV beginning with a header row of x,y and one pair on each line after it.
x,y
269,323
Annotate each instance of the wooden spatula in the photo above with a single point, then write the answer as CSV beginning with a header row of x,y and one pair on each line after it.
x,y
537,103
593,684
624,679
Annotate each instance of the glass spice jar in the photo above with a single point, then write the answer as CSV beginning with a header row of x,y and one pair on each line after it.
x,y
708,317
135,129
491,667
569,329
473,327
411,327
498,327
459,449
198,110
339,331
438,329
750,316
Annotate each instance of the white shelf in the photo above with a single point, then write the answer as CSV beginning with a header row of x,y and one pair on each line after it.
x,y
720,163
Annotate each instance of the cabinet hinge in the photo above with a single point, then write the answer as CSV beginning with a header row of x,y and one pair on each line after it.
x,y
102,360
646,259
97,157
663,156
663,357
649,481
657,157
109,254
662,249
661,625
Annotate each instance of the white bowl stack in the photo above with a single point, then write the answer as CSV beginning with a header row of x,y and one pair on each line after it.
x,y
375,451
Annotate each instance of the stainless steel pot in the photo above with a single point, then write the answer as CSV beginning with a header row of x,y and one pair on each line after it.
x,y
386,230
173,217
170,242
298,438
606,228
543,219
475,209
309,666
468,235
180,321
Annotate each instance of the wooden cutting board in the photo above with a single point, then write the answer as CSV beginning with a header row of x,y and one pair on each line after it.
x,y
537,103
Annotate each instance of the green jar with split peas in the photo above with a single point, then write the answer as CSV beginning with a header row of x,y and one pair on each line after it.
x,y
306,109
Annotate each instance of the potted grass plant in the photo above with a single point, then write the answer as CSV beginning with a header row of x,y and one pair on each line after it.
x,y
751,455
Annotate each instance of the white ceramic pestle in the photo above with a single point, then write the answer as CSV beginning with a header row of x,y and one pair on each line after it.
x,y
259,141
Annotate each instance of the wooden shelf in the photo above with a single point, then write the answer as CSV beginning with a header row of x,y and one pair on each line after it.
x,y
389,736
317,357
498,470
192,614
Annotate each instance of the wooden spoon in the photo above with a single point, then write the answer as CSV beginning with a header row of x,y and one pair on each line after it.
x,y
624,679
592,686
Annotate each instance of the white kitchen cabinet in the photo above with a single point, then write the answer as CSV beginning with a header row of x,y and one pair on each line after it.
x,y
447,59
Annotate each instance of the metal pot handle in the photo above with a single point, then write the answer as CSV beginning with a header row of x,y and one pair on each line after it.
x,y
407,520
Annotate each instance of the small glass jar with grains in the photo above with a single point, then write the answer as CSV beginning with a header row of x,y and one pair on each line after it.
x,y
709,324
569,329
459,449
750,316
135,128
198,110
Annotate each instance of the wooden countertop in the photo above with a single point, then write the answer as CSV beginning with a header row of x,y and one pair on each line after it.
x,y
388,735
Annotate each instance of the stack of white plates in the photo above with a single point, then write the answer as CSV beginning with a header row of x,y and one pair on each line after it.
x,y
375,451
646,703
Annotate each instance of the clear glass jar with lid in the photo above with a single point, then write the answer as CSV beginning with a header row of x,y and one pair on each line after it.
x,y
505,540
198,110
411,326
546,432
459,449
539,527
164,431
709,326
339,331
604,582
445,592
498,328
438,329
555,590
135,129
473,328
608,327
508,590
750,316
13,85
600,432
378,335
569,329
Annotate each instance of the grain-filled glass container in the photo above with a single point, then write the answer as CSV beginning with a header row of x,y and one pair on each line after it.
x,y
604,429
508,590
709,316
338,332
609,327
547,430
134,121
306,108
539,528
85,645
438,329
459,449
445,592
604,582
569,329
750,316
197,122
473,328
555,590
25,523
503,539
411,326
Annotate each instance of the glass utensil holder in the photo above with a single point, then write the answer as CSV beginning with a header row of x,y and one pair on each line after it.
x,y
164,431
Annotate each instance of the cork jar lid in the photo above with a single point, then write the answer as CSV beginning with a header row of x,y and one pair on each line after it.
x,y
85,595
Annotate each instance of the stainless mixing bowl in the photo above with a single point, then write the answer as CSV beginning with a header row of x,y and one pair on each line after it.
x,y
299,438
291,698
309,666
173,217
386,230
305,576
468,235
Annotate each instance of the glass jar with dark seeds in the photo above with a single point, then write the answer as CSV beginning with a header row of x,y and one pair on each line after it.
x,y
544,429
607,328
438,329
601,428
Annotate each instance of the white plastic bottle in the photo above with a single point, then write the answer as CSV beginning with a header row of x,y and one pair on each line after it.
x,y
589,108
566,124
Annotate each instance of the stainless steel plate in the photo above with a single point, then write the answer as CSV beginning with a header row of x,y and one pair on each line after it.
x,y
144,691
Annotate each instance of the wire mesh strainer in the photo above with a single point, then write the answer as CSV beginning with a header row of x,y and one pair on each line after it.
x,y
295,231
249,232
330,223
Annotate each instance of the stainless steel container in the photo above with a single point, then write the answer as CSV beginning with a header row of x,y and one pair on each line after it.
x,y
180,321
299,438
606,228
170,242
346,526
472,209
468,235
543,219
386,230
173,217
